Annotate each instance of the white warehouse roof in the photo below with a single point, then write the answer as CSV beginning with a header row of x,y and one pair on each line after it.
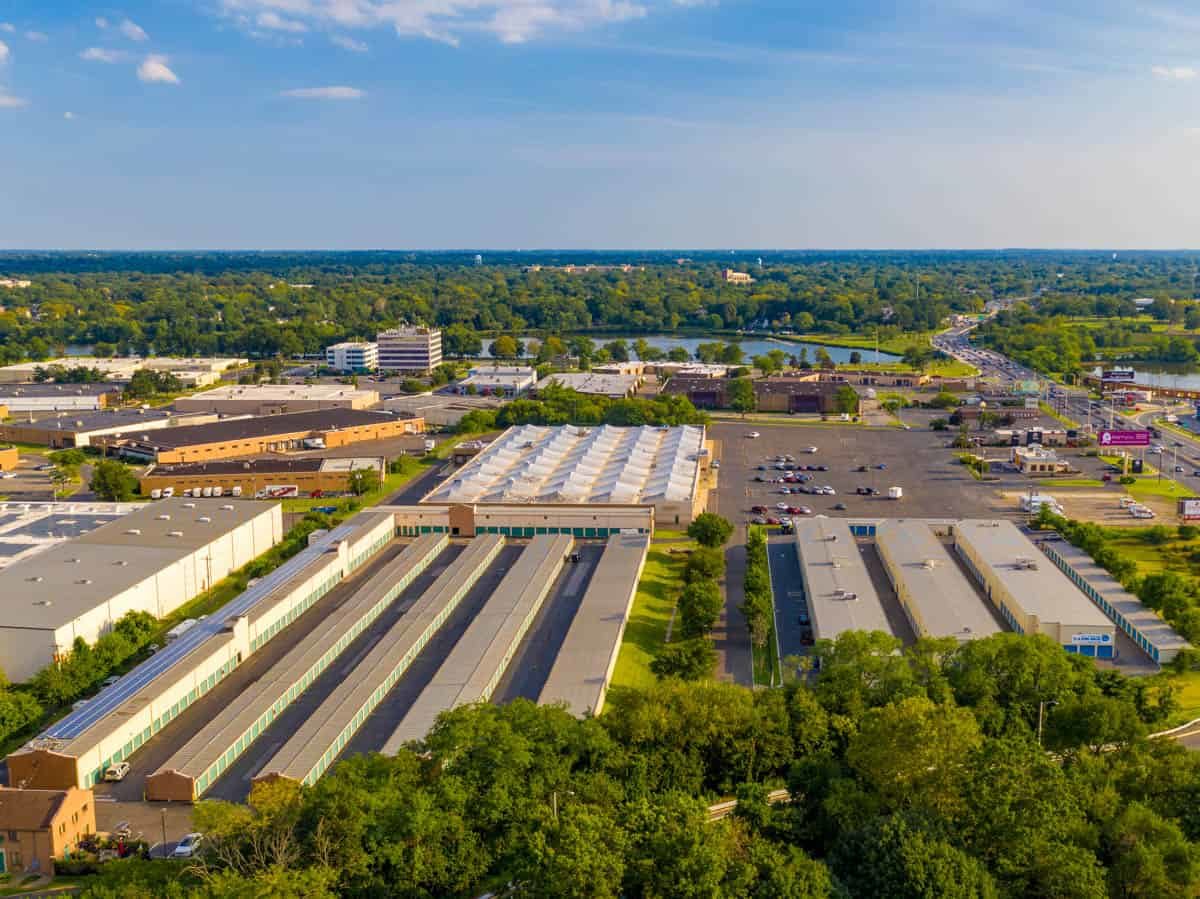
x,y
569,464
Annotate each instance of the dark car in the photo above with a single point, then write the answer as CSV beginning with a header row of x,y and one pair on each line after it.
x,y
762,468
861,468
839,507
822,468
758,520
758,508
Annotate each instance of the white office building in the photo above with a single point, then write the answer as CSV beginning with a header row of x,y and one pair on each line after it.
x,y
352,356
409,349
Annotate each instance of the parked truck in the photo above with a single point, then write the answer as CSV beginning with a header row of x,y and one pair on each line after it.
x,y
895,493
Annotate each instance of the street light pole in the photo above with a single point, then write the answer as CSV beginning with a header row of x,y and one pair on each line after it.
x,y
164,831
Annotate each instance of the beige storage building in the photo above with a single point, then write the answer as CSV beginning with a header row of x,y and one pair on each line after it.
x,y
274,399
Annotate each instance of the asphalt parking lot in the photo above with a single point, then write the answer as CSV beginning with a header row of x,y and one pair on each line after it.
x,y
935,484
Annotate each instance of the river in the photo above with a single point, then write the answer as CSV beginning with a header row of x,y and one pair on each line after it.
x,y
751,346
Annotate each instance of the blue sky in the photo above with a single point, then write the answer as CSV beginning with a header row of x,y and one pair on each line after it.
x,y
599,123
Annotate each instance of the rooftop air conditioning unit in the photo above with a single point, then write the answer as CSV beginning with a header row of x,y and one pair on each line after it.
x,y
174,533
134,532
204,519
164,517
189,505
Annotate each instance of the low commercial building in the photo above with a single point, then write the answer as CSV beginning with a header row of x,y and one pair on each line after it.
x,y
192,372
936,596
441,410
353,356
632,367
522,519
498,380
659,467
1031,594
584,666
1142,625
9,458
50,397
65,431
687,369
263,478
837,586
473,668
702,391
277,399
416,350
40,827
869,378
152,560
614,387
76,750
1037,460
799,395
241,437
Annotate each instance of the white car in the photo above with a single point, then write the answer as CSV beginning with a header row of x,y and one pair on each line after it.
x,y
810,449
753,435
782,507
8,475
117,772
188,846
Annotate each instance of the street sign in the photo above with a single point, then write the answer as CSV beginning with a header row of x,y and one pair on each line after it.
x,y
1124,438
1189,509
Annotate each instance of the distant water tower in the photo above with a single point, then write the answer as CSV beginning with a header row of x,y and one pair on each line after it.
x,y
478,259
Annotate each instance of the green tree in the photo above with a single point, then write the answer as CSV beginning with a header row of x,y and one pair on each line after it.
x,y
362,481
687,660
504,347
113,482
845,400
705,563
710,529
699,607
741,395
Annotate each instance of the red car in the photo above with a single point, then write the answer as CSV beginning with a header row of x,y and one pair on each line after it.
x,y
758,509
795,510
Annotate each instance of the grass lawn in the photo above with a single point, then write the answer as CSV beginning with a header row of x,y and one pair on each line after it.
x,y
766,663
895,344
1075,482
1188,685
1155,487
651,613
1174,555
410,467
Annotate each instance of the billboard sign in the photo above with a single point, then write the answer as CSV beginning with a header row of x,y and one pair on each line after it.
x,y
278,491
1124,438
1091,639
1189,509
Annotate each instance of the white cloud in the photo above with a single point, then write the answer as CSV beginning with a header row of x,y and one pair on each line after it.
x,y
68,115
274,22
334,92
101,23
4,54
1175,73
154,70
8,26
36,36
133,31
512,21
102,54
349,43
8,101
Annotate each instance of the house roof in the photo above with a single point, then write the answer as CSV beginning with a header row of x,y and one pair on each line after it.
x,y
29,809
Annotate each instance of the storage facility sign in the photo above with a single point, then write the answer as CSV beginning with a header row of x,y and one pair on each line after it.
x,y
1091,639
1124,438
1189,509
278,491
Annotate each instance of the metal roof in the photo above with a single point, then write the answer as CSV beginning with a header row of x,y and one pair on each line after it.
x,y
569,464
1146,620
946,602
143,677
838,588
1028,576
475,664
311,749
316,421
579,675
221,732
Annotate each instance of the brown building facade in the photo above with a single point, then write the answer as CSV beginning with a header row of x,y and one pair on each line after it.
x,y
39,826
243,437
251,477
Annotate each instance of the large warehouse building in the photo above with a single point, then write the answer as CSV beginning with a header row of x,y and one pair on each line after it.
x,y
50,397
80,429
275,399
837,585
152,560
1032,595
239,437
935,594
270,477
659,467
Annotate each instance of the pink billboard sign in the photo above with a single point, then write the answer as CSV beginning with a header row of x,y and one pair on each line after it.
x,y
1124,438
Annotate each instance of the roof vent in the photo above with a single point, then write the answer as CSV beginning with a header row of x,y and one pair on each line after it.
x,y
174,533
134,532
37,579
44,602
164,517
189,505
204,519
227,507
85,580
74,561
121,563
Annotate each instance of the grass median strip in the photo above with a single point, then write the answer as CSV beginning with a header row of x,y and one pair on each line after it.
x,y
646,631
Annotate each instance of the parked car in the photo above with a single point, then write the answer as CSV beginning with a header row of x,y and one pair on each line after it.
x,y
758,519
117,772
839,507
758,508
782,507
188,846
753,435
861,468
810,449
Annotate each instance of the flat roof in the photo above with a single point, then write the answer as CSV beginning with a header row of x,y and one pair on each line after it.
x,y
473,667
592,383
833,569
579,675
54,587
318,420
137,687
51,388
304,750
1029,577
946,602
283,392
228,467
1146,620
231,722
417,402
103,419
569,464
